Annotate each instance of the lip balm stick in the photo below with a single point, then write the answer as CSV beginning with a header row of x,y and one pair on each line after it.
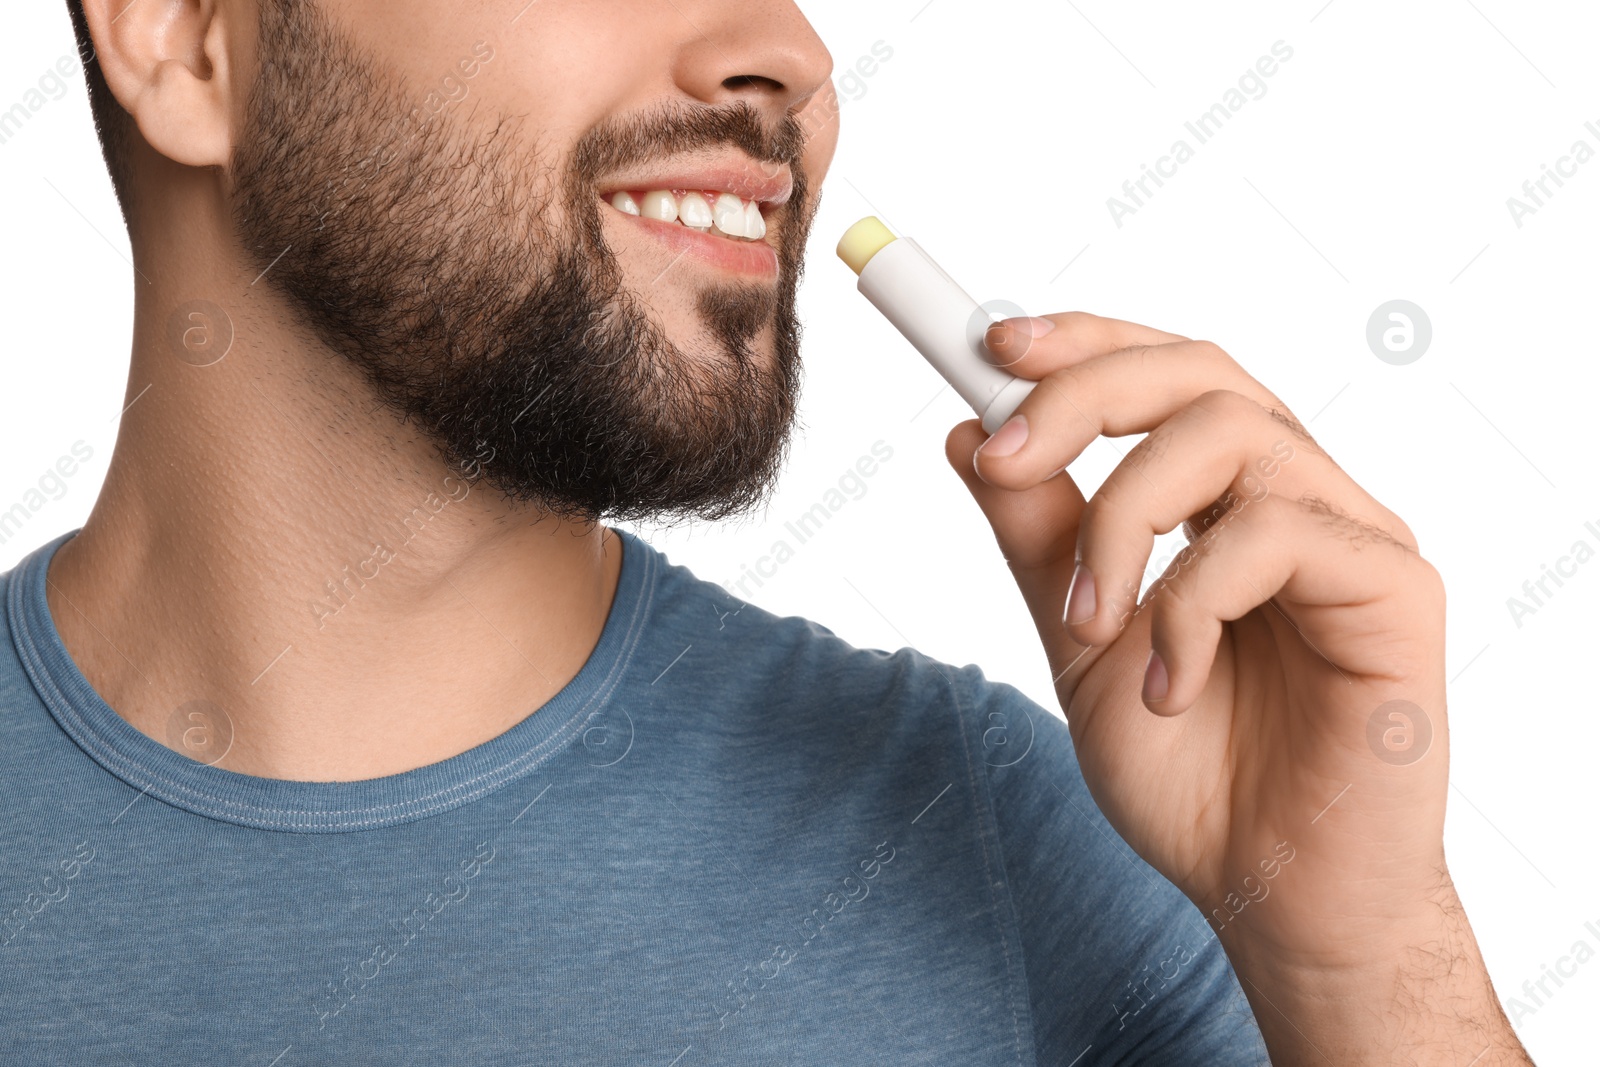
x,y
939,319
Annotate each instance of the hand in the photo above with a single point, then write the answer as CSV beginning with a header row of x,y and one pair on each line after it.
x,y
1299,613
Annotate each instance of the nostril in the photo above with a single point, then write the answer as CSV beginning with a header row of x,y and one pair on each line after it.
x,y
745,81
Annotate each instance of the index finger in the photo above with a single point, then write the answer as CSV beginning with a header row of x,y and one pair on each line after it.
x,y
1033,347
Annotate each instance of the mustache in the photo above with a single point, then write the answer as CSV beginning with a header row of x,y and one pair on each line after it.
x,y
620,142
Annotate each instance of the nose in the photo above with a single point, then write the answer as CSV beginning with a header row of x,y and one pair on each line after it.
x,y
760,51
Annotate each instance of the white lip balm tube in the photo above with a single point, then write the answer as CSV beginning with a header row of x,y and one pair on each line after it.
x,y
935,314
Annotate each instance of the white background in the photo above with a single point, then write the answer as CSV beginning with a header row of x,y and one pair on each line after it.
x,y
1376,166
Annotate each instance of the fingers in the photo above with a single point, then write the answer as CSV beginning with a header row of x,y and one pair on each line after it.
x,y
1124,392
1034,526
1219,456
1214,455
1282,551
1036,531
1032,348
1222,453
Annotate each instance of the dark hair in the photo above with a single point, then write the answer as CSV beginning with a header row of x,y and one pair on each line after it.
x,y
111,122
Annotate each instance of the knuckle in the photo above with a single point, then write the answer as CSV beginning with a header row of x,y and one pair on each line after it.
x,y
1178,588
1217,514
1222,367
1078,324
1147,452
1400,530
1340,522
1225,403
1278,518
1430,585
1271,512
1064,382
1211,352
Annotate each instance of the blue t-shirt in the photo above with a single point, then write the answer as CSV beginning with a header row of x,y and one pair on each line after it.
x,y
731,838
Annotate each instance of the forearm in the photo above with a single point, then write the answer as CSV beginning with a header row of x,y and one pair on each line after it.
x,y
1420,995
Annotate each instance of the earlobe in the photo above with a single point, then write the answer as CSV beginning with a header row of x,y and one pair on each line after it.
x,y
166,62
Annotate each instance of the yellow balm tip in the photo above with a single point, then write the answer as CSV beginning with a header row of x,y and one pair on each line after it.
x,y
863,241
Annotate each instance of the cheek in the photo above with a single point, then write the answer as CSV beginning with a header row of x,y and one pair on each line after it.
x,y
566,67
820,120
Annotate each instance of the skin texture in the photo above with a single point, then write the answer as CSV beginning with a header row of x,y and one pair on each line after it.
x,y
1301,608
250,502
352,396
540,358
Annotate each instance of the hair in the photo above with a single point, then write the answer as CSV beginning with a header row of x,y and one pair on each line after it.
x,y
113,124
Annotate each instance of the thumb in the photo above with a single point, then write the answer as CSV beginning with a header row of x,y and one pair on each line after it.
x,y
1037,531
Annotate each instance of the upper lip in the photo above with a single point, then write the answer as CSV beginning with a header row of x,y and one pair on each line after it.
x,y
766,183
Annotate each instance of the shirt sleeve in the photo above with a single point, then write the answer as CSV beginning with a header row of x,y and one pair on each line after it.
x,y
1122,968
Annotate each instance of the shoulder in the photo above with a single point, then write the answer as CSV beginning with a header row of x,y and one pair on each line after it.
x,y
791,655
1109,951
791,686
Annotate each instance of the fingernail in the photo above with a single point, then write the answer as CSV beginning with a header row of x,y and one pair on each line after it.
x,y
1155,678
1031,326
1008,438
1080,597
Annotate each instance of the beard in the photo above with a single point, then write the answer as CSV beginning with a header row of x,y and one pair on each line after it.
x,y
465,274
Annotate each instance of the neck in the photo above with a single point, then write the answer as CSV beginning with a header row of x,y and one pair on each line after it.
x,y
269,539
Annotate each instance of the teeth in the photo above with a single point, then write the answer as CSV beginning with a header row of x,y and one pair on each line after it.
x,y
695,212
660,204
724,213
729,215
755,227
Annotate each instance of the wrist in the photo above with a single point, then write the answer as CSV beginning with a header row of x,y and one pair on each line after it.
x,y
1409,986
1332,926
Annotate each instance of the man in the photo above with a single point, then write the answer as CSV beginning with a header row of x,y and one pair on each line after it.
x,y
345,730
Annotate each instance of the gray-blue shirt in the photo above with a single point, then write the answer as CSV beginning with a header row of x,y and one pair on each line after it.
x,y
731,838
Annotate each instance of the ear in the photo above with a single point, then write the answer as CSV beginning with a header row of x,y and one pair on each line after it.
x,y
167,63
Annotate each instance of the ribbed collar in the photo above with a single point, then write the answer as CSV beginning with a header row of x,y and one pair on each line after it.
x,y
323,807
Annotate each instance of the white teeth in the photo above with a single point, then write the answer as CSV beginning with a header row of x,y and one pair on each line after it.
x,y
660,204
729,215
695,212
755,227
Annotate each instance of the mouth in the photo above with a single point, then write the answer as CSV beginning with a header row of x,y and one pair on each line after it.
x,y
716,212
721,220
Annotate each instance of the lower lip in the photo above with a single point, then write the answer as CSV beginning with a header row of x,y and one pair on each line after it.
x,y
744,257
